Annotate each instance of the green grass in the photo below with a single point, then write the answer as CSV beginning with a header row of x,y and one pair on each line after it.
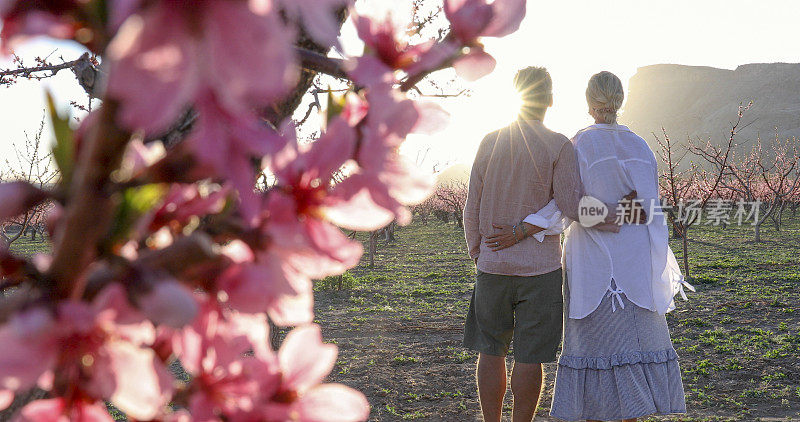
x,y
24,246
738,337
398,325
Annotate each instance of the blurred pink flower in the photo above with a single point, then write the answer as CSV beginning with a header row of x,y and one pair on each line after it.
x,y
24,18
180,204
383,38
17,197
318,18
60,19
470,19
304,361
169,303
475,64
228,383
169,55
369,70
384,180
6,397
94,347
59,410
306,173
230,143
262,386
270,286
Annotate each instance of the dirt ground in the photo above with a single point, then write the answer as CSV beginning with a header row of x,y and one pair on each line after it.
x,y
399,326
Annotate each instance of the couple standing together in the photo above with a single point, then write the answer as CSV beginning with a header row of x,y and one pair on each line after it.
x,y
619,275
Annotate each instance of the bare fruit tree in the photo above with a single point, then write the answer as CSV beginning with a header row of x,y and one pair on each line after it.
x,y
696,185
33,164
451,197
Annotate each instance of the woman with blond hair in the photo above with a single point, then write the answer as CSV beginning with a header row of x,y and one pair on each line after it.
x,y
617,360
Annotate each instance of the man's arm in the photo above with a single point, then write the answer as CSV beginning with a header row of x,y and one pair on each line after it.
x,y
567,187
473,206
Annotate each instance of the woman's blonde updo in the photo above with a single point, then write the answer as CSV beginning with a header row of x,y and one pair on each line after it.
x,y
604,95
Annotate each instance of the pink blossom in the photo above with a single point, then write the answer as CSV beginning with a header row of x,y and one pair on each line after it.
x,y
307,174
169,303
60,19
212,351
383,179
22,19
28,349
304,362
302,244
432,118
59,410
180,204
355,109
94,347
474,65
6,397
369,70
384,40
17,197
179,53
230,143
269,286
471,19
507,17
318,18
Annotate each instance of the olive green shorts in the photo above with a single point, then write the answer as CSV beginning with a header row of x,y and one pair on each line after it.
x,y
528,310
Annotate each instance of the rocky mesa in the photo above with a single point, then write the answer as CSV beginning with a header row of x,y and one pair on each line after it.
x,y
697,101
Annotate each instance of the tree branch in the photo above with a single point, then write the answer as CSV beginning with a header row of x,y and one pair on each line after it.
x,y
316,62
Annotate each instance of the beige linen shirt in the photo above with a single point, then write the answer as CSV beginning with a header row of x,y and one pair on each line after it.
x,y
517,171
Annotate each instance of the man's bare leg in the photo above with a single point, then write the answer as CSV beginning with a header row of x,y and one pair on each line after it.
x,y
526,384
491,376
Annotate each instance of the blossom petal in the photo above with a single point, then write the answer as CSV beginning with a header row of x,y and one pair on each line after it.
x,y
143,384
291,311
153,69
304,359
319,403
475,65
242,47
432,118
54,410
358,211
318,18
169,303
6,397
506,19
23,359
17,197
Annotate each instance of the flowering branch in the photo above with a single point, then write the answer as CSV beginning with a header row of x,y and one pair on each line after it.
x,y
171,253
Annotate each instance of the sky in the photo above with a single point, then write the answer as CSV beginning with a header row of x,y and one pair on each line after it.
x,y
572,38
